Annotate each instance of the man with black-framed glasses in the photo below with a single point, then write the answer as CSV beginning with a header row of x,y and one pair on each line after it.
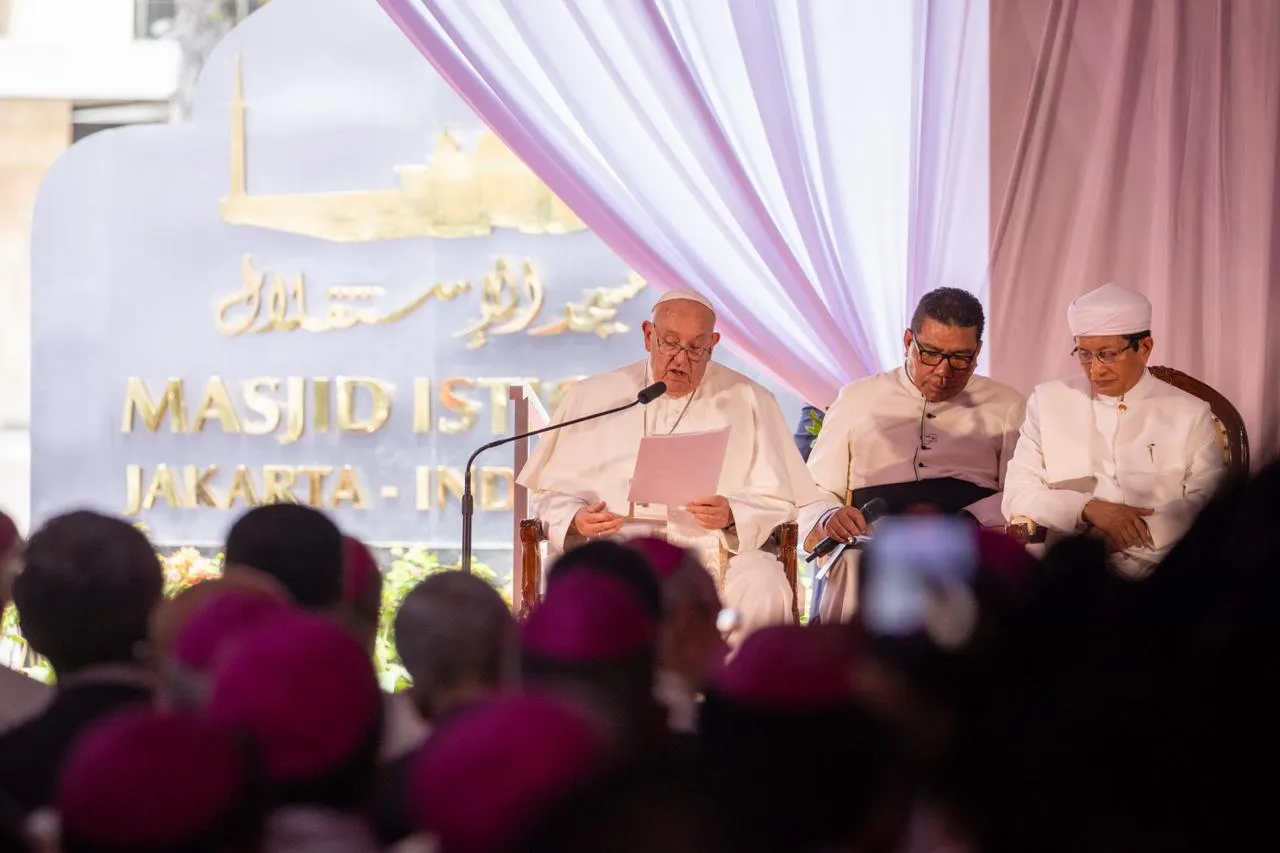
x,y
1114,452
930,434
579,477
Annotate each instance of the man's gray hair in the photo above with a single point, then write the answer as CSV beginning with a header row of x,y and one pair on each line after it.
x,y
453,629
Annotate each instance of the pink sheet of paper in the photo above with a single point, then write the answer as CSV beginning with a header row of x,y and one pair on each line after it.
x,y
676,469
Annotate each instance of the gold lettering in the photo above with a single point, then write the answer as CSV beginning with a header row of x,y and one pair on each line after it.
x,y
277,484
297,403
242,489
133,489
465,407
258,401
349,489
279,297
500,401
448,483
320,398
162,487
172,403
597,313
249,297
381,407
216,403
490,500
199,492
423,501
315,475
421,404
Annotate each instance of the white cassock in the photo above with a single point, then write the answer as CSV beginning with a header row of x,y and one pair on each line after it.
x,y
1156,447
881,431
764,478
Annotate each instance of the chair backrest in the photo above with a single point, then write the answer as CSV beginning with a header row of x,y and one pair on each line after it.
x,y
529,415
1231,431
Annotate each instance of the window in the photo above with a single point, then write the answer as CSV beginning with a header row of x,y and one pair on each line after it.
x,y
154,18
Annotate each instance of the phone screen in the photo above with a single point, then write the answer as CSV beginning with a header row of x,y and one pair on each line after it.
x,y
908,562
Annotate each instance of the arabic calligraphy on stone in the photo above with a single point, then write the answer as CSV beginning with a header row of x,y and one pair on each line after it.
x,y
507,305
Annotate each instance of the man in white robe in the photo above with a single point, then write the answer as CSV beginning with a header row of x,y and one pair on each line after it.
x,y
930,433
579,477
1115,452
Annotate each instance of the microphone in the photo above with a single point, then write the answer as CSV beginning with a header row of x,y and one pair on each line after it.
x,y
644,398
872,511
653,392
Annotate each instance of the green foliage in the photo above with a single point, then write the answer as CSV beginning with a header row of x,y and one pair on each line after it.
x,y
18,652
814,424
409,567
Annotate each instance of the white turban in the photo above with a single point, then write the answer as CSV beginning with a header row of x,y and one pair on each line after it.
x,y
1109,310
686,296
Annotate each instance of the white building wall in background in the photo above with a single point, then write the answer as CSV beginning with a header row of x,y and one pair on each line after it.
x,y
61,61
83,51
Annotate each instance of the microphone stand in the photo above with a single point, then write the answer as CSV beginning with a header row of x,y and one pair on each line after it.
x,y
468,500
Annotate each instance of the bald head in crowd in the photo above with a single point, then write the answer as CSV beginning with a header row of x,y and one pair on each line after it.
x,y
457,639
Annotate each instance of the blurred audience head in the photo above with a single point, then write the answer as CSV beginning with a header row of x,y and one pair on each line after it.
x,y
306,691
689,641
484,779
361,608
657,805
592,641
297,545
457,639
171,616
783,681
10,554
209,631
86,592
148,780
604,556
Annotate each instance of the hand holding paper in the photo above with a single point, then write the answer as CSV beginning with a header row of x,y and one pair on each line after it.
x,y
676,470
711,513
596,520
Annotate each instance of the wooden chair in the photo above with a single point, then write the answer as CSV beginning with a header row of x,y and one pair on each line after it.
x,y
1231,431
533,534
1232,435
529,534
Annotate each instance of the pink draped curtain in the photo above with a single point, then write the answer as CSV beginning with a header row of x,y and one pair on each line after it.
x,y
812,167
1137,141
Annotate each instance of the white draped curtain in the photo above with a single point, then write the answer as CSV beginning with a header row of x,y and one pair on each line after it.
x,y
811,166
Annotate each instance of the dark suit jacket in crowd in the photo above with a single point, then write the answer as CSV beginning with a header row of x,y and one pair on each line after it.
x,y
32,753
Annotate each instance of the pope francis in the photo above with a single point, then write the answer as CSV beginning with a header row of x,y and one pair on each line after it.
x,y
1114,452
579,477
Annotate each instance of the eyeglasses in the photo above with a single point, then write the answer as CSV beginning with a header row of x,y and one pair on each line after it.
x,y
1105,356
933,357
671,349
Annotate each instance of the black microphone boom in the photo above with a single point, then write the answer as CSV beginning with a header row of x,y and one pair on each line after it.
x,y
872,511
646,396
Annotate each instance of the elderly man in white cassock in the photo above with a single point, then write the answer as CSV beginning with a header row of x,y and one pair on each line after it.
x,y
930,433
1115,452
579,477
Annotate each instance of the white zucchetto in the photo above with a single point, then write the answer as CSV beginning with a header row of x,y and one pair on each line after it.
x,y
1109,310
686,296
